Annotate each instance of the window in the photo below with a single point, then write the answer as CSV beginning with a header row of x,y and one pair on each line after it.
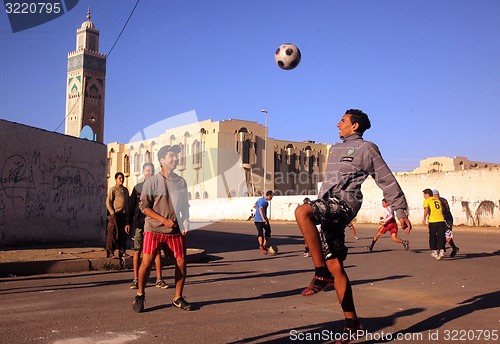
x,y
196,152
246,152
137,163
126,165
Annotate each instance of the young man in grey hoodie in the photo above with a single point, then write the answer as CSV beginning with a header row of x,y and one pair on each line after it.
x,y
339,200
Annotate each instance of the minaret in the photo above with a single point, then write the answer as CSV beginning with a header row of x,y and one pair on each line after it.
x,y
86,85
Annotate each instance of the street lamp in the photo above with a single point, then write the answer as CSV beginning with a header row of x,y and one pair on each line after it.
x,y
265,154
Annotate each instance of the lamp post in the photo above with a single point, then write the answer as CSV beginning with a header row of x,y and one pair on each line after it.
x,y
265,155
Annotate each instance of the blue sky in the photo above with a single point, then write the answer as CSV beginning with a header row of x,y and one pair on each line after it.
x,y
427,72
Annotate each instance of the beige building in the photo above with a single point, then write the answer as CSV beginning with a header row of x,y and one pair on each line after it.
x,y
225,159
446,164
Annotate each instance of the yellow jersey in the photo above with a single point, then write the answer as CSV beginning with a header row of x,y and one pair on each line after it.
x,y
436,209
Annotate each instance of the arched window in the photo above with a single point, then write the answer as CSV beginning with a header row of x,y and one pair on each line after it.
x,y
196,153
147,156
197,195
182,157
137,163
126,165
245,157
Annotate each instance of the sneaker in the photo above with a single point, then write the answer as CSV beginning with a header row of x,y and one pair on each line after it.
x,y
161,284
263,249
440,255
306,254
351,334
138,305
134,285
454,252
369,247
182,304
435,254
406,244
356,238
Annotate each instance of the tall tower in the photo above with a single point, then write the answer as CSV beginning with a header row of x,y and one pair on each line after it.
x,y
86,83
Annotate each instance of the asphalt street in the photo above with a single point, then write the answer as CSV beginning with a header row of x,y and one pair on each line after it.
x,y
242,296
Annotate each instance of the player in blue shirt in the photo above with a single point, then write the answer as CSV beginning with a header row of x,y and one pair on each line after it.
x,y
262,222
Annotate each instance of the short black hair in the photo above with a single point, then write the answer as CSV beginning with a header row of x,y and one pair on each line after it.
x,y
306,200
146,164
117,174
358,116
428,192
269,193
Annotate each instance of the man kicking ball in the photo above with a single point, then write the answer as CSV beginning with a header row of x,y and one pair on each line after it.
x,y
339,200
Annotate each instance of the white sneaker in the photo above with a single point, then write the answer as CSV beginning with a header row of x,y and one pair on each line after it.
x,y
440,255
435,254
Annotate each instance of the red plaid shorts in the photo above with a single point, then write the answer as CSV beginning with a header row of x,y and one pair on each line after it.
x,y
175,243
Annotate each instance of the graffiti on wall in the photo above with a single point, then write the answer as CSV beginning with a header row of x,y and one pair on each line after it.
x,y
35,188
484,209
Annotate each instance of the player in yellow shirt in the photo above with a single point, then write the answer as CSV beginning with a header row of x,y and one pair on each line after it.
x,y
433,214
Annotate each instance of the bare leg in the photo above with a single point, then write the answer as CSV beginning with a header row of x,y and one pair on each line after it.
x,y
180,276
396,239
158,266
135,261
304,216
145,270
342,287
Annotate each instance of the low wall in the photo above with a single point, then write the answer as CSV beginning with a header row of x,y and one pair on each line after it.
x,y
52,187
473,196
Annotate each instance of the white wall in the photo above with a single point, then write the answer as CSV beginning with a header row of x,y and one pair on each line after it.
x,y
52,187
473,196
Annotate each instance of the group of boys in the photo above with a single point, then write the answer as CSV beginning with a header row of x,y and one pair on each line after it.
x,y
322,221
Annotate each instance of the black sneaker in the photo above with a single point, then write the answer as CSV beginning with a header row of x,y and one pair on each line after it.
x,y
454,252
369,247
138,304
406,244
182,304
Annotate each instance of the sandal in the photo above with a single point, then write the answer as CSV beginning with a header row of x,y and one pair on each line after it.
x,y
317,284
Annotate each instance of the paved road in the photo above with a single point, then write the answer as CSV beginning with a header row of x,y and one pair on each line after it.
x,y
242,296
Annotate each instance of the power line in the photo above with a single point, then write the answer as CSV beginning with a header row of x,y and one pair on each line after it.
x,y
109,53
124,26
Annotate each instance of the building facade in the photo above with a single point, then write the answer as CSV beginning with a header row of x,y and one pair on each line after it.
x,y
446,164
226,159
85,86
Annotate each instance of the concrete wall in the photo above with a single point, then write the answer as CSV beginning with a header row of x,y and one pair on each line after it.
x,y
52,187
473,196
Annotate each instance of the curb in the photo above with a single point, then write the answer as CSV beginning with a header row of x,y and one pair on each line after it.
x,y
12,269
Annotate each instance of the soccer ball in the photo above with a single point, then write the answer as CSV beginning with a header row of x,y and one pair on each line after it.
x,y
273,249
287,56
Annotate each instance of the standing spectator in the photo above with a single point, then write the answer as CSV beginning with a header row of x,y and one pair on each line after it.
x,y
433,214
388,224
339,200
448,218
137,217
118,226
262,222
164,201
